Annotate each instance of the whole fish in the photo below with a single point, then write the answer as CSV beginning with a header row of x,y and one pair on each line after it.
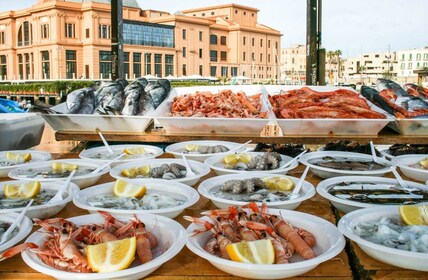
x,y
106,92
402,98
417,91
373,95
158,91
145,104
81,101
132,95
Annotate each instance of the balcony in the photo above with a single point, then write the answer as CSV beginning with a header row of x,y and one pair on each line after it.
x,y
24,43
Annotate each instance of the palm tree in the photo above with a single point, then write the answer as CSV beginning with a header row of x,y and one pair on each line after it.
x,y
361,70
338,53
330,55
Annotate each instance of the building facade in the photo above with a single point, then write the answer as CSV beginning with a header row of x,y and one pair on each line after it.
x,y
68,39
408,61
293,65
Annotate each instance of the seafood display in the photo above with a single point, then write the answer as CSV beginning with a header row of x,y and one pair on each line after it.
x,y
165,171
150,201
391,232
306,103
350,164
404,149
225,104
391,97
349,146
205,149
235,224
290,150
266,161
41,198
4,226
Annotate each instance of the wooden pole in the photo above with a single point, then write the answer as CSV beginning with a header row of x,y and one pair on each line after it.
x,y
117,39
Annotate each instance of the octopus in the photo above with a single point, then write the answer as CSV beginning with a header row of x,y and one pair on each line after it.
x,y
169,171
212,149
267,161
243,186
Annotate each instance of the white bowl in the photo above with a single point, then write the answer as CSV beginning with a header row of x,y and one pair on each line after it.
x,y
401,258
404,163
329,243
93,154
171,237
178,148
348,205
36,156
152,186
205,187
325,173
216,163
82,181
199,168
24,228
46,210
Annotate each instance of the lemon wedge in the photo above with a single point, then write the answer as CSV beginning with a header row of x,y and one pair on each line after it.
x,y
245,158
26,190
424,162
231,159
257,252
144,170
112,256
124,189
134,151
414,214
278,183
18,157
191,147
62,166
130,172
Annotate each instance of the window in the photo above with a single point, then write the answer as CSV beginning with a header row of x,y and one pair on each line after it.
x,y
268,43
104,31
403,56
105,64
410,56
224,71
70,64
136,60
2,41
213,39
88,33
223,40
261,57
148,63
268,58
234,71
184,70
213,56
244,39
157,35
252,41
184,51
409,66
200,36
276,46
25,34
169,64
126,64
46,69
418,56
200,53
243,56
253,57
425,56
70,30
213,71
27,66
261,42
158,65
223,56
201,68
184,34
45,31
3,67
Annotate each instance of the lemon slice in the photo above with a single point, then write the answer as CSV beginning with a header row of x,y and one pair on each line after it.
x,y
231,159
112,256
192,147
124,189
130,172
257,252
134,151
144,170
26,190
18,157
245,158
424,162
414,214
62,166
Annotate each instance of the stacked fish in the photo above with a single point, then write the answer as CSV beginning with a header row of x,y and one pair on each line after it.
x,y
409,103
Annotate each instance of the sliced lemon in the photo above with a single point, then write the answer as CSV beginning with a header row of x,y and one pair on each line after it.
x,y
26,190
144,170
134,151
112,256
257,252
424,162
284,184
130,172
62,166
245,158
414,214
18,157
231,159
124,189
192,147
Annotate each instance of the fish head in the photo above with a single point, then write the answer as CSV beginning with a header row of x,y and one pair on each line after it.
x,y
165,84
122,82
142,81
368,92
388,84
75,99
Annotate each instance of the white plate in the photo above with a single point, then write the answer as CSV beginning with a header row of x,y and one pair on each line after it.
x,y
401,258
24,228
348,205
216,163
404,163
205,187
92,154
36,156
178,148
324,172
43,211
82,181
199,168
170,234
330,242
172,189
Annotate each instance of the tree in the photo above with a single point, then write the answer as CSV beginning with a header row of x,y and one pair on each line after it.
x,y
330,55
338,53
361,69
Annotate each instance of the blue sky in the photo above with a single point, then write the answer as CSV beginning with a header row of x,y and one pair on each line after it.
x,y
353,26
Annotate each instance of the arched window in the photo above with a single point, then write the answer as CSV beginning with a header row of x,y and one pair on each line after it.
x,y
25,34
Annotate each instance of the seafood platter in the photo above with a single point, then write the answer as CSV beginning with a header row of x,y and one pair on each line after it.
x,y
240,189
325,111
404,149
110,107
50,171
311,240
18,234
42,206
413,166
13,159
238,110
349,193
132,153
168,199
167,169
290,150
335,163
409,105
349,146
203,149
382,234
159,239
239,163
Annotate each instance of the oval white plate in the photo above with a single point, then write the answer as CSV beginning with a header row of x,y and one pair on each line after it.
x,y
216,163
36,156
205,187
24,228
174,189
401,258
404,163
199,168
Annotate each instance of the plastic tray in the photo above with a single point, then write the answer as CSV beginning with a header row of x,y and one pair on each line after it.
x,y
329,127
410,126
201,125
20,131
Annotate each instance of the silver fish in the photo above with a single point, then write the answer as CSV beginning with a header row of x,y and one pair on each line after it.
x,y
158,91
106,92
81,101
